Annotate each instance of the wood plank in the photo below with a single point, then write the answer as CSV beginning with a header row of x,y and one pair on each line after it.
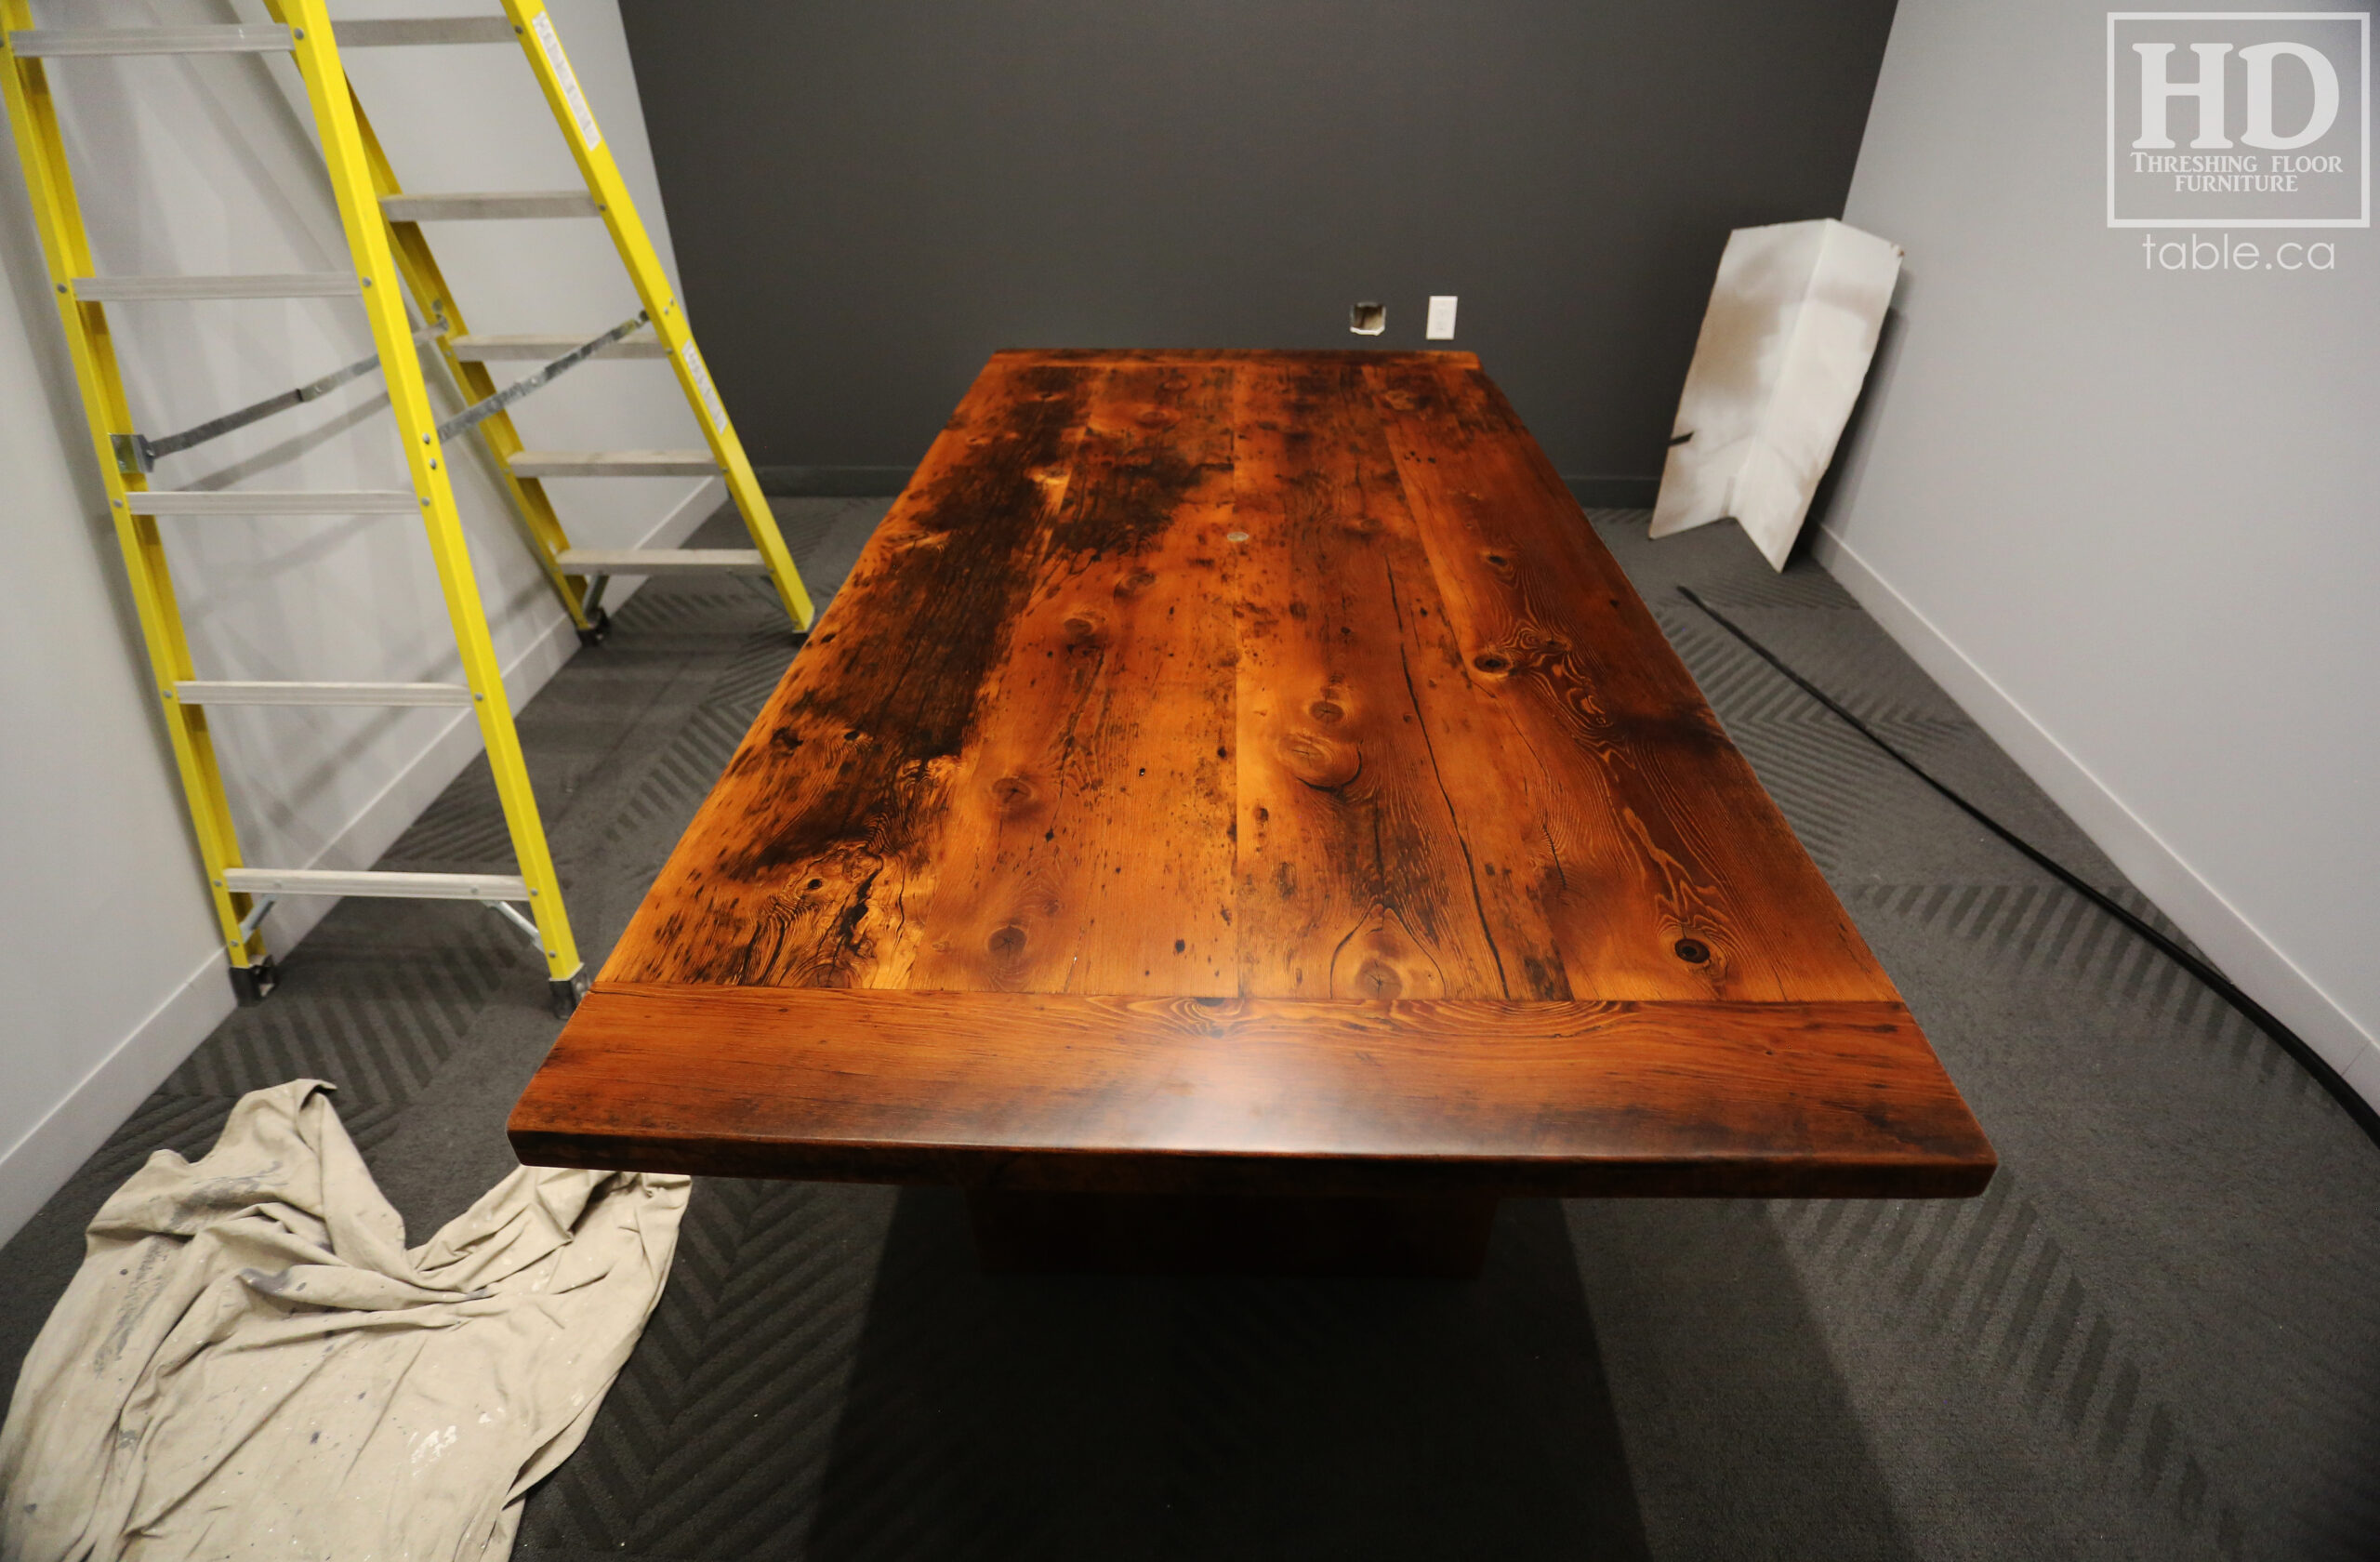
x,y
1677,875
1086,840
1354,878
1064,1091
800,866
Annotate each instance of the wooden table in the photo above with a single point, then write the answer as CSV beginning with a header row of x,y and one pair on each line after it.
x,y
1236,813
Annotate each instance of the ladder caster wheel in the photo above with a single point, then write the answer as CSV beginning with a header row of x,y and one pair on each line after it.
x,y
598,630
251,983
567,991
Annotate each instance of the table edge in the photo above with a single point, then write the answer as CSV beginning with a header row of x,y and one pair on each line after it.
x,y
1596,1097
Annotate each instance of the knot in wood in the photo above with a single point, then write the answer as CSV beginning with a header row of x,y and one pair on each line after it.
x,y
1321,763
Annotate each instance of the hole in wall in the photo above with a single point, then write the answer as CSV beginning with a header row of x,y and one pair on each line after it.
x,y
1368,320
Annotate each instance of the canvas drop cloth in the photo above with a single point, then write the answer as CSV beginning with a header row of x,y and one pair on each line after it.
x,y
251,1363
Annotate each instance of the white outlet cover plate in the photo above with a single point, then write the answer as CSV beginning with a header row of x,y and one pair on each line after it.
x,y
1440,327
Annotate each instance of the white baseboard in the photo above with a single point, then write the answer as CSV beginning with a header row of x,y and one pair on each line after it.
x,y
2213,923
38,1164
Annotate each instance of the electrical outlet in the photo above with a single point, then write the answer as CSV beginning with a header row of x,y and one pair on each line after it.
x,y
1368,320
1441,322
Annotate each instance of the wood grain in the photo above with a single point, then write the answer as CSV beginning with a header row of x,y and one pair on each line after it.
x,y
1086,834
1059,1091
1673,874
1294,683
1355,880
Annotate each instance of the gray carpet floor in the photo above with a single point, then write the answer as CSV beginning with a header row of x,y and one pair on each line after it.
x,y
2157,1336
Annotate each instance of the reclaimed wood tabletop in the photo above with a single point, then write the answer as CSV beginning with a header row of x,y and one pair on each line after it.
x,y
1247,774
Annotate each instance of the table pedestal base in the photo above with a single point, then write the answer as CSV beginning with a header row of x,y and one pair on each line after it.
x,y
1437,1235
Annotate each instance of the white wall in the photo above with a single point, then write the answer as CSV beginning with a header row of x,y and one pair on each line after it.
x,y
2130,517
108,952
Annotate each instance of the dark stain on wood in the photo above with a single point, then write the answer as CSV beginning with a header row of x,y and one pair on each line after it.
x,y
1291,683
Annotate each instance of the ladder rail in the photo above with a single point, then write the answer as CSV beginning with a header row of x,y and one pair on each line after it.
x,y
402,31
291,285
353,184
536,379
542,347
607,196
391,259
269,501
66,248
479,205
67,43
393,885
615,463
256,692
532,508
667,561
542,46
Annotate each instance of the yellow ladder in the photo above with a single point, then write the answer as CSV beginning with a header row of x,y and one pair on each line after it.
x,y
383,225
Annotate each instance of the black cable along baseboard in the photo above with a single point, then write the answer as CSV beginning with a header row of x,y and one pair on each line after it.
x,y
2296,1045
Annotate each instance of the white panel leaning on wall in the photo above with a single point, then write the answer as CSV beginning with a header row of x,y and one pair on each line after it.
x,y
1793,323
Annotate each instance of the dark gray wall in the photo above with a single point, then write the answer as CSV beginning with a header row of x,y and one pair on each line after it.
x,y
869,196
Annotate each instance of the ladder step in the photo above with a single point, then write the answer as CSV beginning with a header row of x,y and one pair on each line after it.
x,y
468,207
292,284
395,886
324,501
191,691
659,560
613,463
390,32
58,42
540,349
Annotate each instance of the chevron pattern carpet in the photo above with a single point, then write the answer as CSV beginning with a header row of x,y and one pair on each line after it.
x,y
2157,1336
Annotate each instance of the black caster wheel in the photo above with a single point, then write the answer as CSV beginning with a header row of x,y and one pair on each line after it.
x,y
251,983
566,992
